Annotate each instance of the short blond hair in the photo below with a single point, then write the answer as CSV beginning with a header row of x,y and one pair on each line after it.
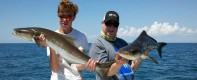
x,y
68,7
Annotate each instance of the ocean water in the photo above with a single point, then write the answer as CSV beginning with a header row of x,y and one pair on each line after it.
x,y
27,61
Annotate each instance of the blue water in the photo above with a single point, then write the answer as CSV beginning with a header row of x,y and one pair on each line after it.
x,y
26,61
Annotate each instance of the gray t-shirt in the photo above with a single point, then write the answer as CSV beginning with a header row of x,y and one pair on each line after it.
x,y
103,51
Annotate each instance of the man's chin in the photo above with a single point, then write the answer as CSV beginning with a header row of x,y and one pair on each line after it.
x,y
65,27
111,35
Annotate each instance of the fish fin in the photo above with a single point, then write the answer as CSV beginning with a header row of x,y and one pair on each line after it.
x,y
102,69
71,69
37,41
144,56
143,32
159,49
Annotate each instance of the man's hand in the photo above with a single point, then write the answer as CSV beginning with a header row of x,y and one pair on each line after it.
x,y
91,65
120,60
147,50
42,40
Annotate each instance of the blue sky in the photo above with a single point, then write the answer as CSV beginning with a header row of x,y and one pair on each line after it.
x,y
164,20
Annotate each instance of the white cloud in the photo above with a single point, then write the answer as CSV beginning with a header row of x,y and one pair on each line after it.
x,y
157,29
130,31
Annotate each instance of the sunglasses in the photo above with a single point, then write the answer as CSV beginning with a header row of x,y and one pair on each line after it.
x,y
112,23
65,16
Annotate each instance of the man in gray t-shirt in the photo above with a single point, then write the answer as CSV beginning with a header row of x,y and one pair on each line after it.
x,y
104,49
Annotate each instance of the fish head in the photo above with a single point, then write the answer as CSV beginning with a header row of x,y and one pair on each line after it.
x,y
130,54
26,33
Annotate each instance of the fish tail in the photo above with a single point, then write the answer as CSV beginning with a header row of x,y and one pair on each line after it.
x,y
102,69
159,49
102,73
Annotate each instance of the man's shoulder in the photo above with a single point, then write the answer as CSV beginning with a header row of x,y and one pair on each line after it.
x,y
75,31
98,40
120,42
120,39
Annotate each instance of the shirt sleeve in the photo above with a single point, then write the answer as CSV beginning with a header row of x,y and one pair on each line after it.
x,y
98,52
81,40
48,51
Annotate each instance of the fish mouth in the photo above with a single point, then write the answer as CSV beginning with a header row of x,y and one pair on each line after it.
x,y
14,33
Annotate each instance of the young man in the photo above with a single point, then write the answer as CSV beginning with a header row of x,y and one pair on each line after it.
x,y
67,12
104,49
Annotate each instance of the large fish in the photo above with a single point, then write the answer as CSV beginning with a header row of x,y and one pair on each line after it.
x,y
63,45
138,47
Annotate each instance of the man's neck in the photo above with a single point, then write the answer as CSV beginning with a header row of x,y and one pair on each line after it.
x,y
65,31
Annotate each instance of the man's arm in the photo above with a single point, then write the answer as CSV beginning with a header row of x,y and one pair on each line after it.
x,y
54,61
117,65
136,65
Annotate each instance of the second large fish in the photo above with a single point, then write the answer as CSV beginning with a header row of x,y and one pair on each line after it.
x,y
138,47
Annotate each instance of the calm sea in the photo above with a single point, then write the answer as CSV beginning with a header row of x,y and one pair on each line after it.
x,y
26,61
